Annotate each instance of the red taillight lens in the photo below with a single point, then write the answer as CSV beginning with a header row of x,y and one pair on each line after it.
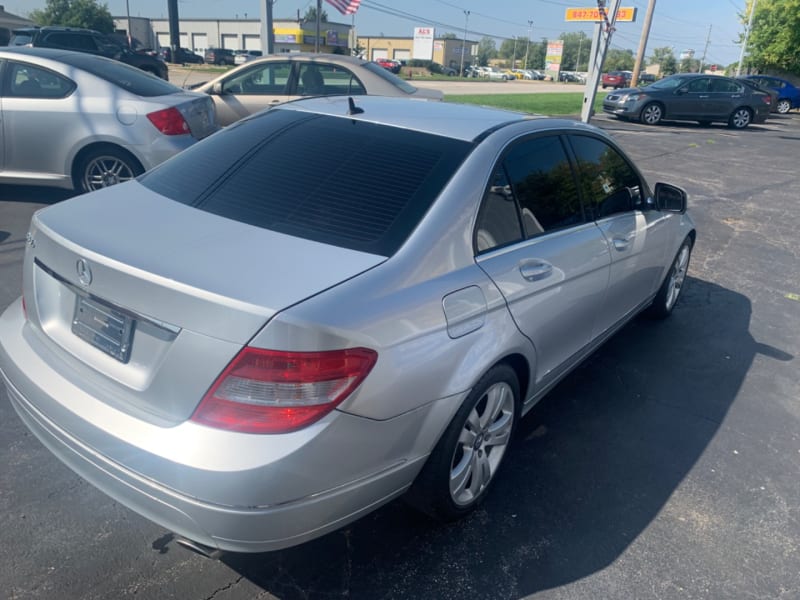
x,y
767,99
169,121
268,391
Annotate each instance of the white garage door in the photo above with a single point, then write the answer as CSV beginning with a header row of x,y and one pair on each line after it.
x,y
199,42
230,41
184,40
402,54
252,42
380,53
163,39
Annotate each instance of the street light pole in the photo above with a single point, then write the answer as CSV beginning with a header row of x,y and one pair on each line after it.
x,y
464,44
746,35
514,56
528,46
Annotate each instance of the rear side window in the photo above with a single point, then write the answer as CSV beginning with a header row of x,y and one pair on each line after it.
x,y
333,180
74,41
29,81
129,78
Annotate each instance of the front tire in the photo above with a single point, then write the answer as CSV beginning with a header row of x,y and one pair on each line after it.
x,y
459,471
740,118
783,106
105,167
651,114
671,288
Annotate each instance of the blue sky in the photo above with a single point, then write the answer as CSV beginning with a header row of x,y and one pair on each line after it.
x,y
683,24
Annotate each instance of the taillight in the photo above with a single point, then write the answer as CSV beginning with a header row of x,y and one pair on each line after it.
x,y
269,391
767,99
169,121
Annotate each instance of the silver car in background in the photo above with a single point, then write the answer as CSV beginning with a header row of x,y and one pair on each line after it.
x,y
77,120
329,305
264,82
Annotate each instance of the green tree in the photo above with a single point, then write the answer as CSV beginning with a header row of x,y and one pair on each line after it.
x,y
536,55
449,36
619,60
690,65
774,42
574,43
310,15
75,13
513,49
664,57
487,50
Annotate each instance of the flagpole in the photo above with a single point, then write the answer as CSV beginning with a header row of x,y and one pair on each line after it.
x,y
319,18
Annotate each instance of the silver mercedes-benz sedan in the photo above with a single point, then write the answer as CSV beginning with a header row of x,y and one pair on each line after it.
x,y
264,82
76,120
329,305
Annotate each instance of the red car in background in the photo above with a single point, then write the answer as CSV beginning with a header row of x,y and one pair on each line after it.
x,y
616,79
389,64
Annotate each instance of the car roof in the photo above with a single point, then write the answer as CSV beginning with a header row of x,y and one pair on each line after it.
x,y
458,121
51,53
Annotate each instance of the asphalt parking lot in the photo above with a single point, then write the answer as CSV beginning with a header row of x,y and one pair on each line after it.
x,y
667,466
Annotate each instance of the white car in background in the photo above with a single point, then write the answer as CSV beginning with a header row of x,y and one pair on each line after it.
x,y
243,56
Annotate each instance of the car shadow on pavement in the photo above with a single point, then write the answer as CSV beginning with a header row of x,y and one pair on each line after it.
x,y
592,466
34,193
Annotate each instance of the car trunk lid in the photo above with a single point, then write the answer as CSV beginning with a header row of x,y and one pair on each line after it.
x,y
183,289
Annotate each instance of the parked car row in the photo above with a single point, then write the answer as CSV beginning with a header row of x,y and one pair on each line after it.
x,y
89,41
393,66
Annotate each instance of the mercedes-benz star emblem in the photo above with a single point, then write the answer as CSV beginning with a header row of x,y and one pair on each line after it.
x,y
84,271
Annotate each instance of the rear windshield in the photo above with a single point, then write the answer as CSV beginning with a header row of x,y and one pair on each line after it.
x,y
21,38
390,77
333,180
129,78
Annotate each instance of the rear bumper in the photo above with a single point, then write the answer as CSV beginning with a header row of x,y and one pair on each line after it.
x,y
235,492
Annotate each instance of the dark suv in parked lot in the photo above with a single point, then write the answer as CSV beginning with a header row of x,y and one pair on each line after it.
x,y
220,56
89,41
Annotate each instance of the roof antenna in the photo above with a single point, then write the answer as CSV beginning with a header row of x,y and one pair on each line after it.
x,y
354,110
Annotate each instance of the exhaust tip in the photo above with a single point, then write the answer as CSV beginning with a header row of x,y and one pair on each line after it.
x,y
201,549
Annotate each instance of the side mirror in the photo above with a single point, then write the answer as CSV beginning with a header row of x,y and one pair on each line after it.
x,y
216,89
670,198
681,91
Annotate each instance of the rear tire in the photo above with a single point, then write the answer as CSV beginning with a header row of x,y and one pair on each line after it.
x,y
459,471
104,167
670,290
740,118
783,106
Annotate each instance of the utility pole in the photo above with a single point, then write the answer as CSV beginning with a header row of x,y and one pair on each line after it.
x,y
648,19
578,60
703,60
514,56
746,36
319,20
267,37
528,47
603,32
463,45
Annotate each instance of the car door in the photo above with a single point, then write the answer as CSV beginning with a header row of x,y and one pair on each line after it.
x,y
725,96
254,88
618,200
534,240
36,102
689,101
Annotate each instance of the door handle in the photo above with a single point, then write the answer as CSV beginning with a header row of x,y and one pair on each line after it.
x,y
703,96
535,270
621,243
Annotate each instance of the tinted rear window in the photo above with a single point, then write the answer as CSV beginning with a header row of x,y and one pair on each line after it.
x,y
390,77
333,180
129,78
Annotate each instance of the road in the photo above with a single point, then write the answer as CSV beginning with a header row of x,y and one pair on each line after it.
x,y
667,466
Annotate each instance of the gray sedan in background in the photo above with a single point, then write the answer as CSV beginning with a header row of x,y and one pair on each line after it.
x,y
77,120
262,340
691,97
264,82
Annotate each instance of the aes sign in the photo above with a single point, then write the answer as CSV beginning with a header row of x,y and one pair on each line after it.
x,y
423,43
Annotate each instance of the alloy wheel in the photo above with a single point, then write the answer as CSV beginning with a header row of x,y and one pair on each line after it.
x,y
104,171
677,276
783,106
741,118
651,114
483,441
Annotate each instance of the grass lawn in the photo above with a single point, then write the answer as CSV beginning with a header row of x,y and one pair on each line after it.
x,y
564,103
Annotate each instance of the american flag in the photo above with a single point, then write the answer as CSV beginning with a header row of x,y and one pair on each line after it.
x,y
346,7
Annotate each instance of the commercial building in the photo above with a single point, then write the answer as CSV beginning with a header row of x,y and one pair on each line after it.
x,y
445,51
291,35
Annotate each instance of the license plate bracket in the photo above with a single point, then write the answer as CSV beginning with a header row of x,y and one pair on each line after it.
x,y
106,328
